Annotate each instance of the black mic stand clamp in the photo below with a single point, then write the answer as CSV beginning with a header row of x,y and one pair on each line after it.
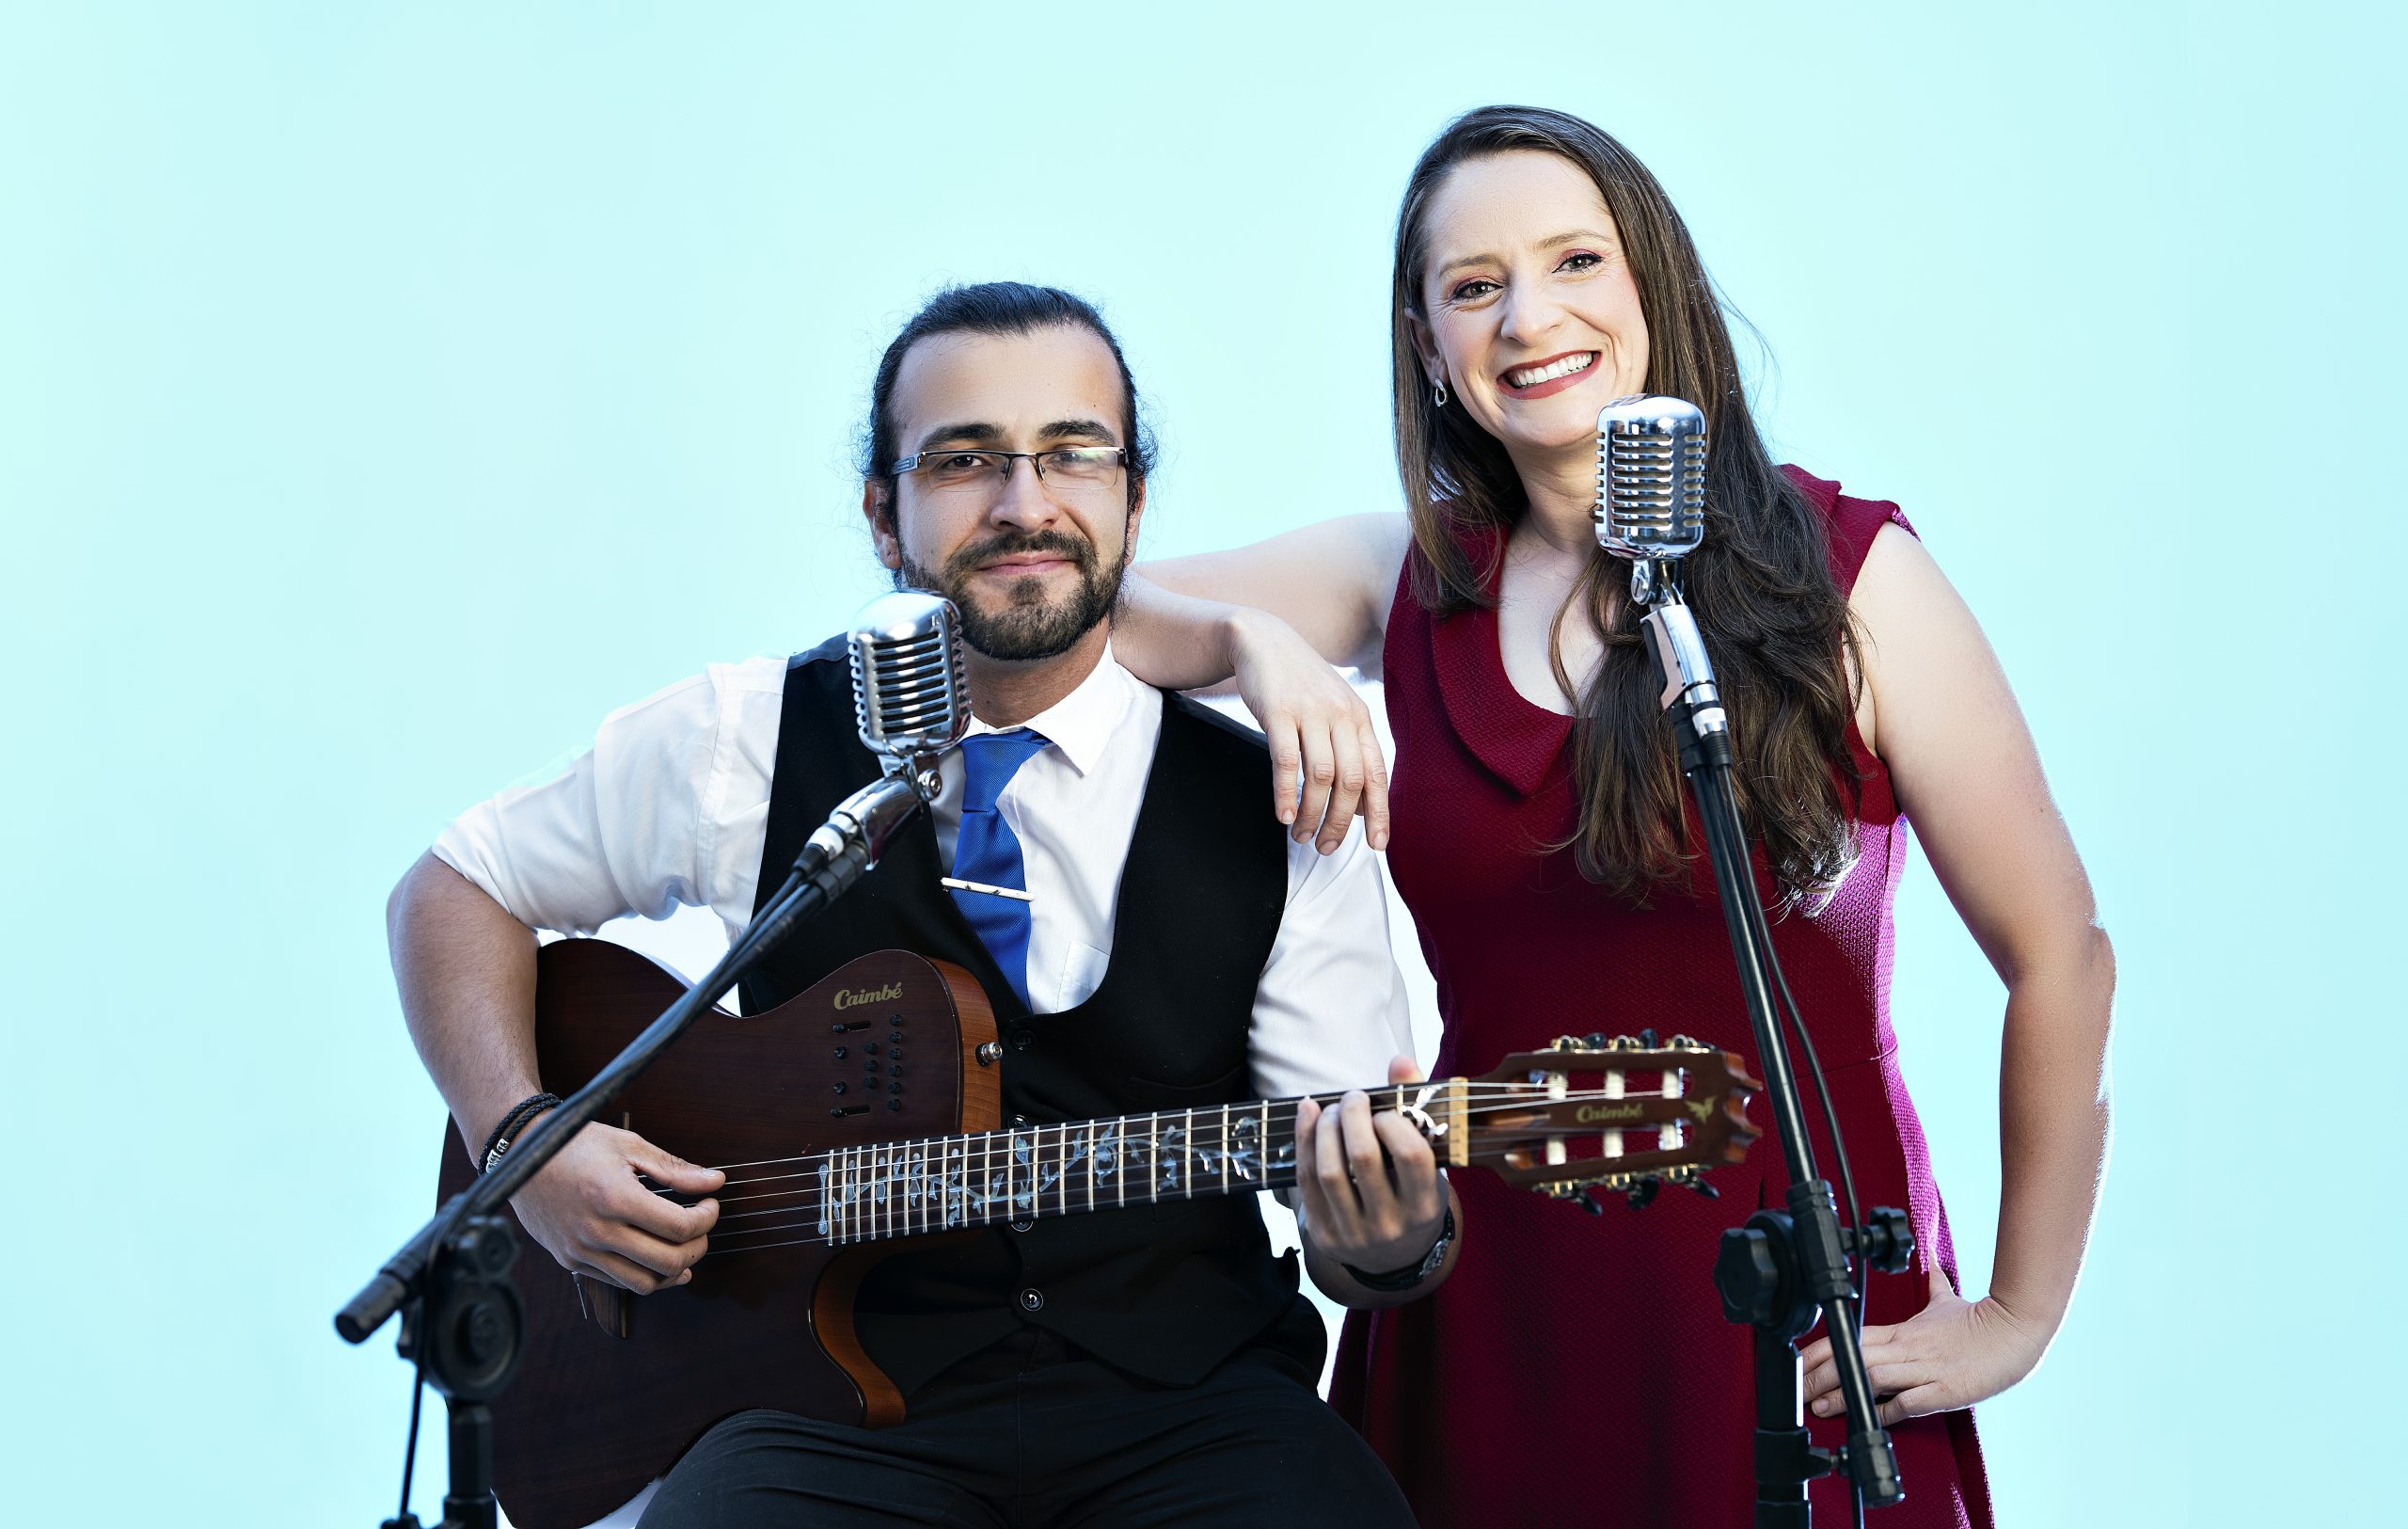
x,y
1781,1267
464,1332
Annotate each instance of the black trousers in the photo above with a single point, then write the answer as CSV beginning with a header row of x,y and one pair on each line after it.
x,y
1031,1432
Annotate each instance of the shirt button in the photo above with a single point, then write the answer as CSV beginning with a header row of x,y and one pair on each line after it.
x,y
1032,1300
1022,1039
1019,1120
1022,1226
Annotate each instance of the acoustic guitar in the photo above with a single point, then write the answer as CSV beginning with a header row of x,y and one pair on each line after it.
x,y
866,1112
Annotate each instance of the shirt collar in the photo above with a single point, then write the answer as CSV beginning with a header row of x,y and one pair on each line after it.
x,y
1080,723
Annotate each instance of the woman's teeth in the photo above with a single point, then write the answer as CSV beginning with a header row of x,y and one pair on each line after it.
x,y
1532,376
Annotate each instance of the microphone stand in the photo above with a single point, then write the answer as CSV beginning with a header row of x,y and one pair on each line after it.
x,y
1783,1267
463,1321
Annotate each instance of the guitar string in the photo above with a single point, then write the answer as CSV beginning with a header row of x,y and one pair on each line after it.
x,y
910,1181
1521,1099
910,1168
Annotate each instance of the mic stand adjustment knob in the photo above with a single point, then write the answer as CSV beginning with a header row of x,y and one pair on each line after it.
x,y
1886,1241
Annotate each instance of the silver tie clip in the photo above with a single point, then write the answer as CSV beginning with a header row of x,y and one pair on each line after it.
x,y
960,886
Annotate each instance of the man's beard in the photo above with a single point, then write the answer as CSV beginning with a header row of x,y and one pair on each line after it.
x,y
1027,627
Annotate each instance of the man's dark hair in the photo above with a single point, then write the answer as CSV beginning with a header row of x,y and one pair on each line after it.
x,y
999,308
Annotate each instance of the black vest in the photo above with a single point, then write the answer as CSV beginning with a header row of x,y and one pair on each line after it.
x,y
1165,1292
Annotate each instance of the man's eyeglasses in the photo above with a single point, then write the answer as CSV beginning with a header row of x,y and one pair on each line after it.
x,y
1064,466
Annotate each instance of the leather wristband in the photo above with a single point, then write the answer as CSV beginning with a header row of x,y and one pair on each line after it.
x,y
1406,1278
520,1115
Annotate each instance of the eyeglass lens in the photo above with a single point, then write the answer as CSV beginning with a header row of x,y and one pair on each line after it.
x,y
1069,465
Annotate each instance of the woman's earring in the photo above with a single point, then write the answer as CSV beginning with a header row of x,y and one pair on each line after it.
x,y
1438,393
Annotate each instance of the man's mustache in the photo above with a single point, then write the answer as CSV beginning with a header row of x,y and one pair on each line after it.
x,y
1080,553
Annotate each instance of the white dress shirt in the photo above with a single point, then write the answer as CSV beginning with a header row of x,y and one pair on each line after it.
x,y
671,807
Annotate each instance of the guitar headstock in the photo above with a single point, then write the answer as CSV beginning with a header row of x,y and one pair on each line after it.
x,y
1623,1114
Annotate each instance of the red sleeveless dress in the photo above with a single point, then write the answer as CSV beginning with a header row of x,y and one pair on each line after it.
x,y
1577,1369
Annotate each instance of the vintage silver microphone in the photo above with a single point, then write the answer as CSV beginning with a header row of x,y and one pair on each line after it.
x,y
1651,509
908,694
1651,482
911,704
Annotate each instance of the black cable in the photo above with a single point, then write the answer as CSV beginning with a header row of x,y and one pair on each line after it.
x,y
1723,824
410,1451
1797,1021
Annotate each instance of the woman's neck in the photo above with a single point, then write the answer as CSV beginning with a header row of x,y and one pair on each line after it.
x,y
1562,490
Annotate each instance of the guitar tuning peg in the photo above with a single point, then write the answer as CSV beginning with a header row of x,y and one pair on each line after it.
x,y
1595,1040
1705,1189
1643,1193
1647,1040
1590,1203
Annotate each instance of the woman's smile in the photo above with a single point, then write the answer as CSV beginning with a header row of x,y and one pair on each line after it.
x,y
1543,379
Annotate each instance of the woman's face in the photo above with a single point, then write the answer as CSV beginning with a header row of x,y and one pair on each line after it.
x,y
1529,311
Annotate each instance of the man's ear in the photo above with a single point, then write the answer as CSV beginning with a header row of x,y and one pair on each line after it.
x,y
878,508
1129,532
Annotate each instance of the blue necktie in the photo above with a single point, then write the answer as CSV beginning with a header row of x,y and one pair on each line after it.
x,y
987,851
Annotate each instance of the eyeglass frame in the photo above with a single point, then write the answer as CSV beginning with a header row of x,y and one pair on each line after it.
x,y
911,463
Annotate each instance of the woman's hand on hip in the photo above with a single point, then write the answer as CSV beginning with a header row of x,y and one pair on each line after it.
x,y
1952,1353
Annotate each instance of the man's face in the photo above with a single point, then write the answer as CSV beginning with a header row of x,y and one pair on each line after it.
x,y
1034,565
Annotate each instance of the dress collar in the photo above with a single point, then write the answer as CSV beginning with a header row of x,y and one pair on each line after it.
x,y
1520,743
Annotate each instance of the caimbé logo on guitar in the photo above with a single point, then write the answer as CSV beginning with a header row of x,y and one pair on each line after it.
x,y
869,995
1606,1113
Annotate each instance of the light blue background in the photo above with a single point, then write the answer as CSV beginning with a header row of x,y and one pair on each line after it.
x,y
386,392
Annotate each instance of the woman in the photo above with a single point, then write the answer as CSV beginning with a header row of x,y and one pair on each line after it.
x,y
1542,840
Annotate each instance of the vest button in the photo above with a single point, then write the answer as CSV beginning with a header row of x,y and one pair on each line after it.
x,y
1022,1039
1032,1300
1019,1120
1022,1226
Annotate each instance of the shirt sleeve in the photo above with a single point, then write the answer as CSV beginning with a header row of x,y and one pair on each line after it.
x,y
658,814
1331,1008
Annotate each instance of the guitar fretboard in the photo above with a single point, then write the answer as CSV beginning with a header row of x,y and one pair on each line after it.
x,y
1025,1173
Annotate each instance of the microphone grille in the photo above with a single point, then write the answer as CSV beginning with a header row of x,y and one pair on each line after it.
x,y
909,692
1651,477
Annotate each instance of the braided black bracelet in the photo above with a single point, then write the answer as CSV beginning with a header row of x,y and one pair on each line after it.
x,y
503,1134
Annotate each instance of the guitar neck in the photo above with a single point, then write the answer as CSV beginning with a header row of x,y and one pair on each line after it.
x,y
1028,1173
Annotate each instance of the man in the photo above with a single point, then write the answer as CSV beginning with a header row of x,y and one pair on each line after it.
x,y
1177,950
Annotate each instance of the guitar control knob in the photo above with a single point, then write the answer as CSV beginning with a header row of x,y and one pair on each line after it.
x,y
840,1087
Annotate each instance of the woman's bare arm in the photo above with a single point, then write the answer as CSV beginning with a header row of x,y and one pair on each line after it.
x,y
1943,721
1274,616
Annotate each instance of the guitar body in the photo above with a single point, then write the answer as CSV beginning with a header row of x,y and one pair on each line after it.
x,y
614,1386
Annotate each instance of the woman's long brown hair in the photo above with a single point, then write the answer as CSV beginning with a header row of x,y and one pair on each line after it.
x,y
1761,584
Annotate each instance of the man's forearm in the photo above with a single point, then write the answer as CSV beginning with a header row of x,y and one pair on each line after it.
x,y
467,973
